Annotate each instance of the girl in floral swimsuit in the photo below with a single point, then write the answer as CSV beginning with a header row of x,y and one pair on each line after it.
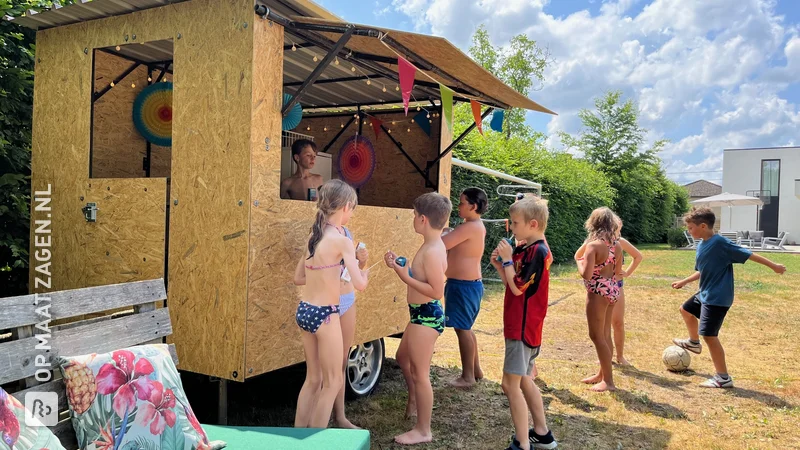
x,y
600,269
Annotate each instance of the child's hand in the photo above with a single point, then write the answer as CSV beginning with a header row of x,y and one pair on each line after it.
x,y
504,250
362,255
497,264
779,268
678,284
389,258
623,274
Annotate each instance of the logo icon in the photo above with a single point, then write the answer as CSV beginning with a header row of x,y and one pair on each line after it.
x,y
41,409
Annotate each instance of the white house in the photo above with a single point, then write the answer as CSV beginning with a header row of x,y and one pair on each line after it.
x,y
774,175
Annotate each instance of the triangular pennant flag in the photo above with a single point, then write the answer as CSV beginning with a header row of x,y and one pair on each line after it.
x,y
376,126
407,72
422,120
447,105
476,113
497,120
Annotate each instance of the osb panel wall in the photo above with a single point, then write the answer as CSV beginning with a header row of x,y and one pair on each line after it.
x,y
394,183
117,147
279,229
210,163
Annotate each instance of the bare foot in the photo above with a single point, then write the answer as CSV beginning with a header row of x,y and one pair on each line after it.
x,y
462,383
592,379
411,410
478,374
623,362
602,387
346,424
413,437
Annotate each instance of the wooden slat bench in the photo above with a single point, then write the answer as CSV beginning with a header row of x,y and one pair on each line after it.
x,y
137,319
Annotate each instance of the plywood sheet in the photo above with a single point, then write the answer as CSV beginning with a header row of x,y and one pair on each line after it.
x,y
210,163
395,183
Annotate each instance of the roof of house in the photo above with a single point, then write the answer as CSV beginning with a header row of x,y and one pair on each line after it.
x,y
703,188
312,29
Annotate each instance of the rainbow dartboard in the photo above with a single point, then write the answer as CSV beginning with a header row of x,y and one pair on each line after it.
x,y
356,161
152,113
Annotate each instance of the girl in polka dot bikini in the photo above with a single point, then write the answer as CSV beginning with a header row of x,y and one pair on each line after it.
x,y
328,254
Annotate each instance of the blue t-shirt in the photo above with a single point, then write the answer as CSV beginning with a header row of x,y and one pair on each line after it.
x,y
714,261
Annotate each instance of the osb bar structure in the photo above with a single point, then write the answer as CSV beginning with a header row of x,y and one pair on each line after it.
x,y
209,219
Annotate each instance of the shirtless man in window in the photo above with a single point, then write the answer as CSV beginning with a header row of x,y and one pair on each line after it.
x,y
304,153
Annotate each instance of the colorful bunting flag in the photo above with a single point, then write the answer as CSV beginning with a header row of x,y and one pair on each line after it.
x,y
376,126
422,120
407,72
497,120
476,114
446,95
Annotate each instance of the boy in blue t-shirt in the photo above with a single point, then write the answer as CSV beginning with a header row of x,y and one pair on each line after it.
x,y
714,269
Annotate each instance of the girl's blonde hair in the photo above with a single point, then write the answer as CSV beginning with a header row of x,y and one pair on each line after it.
x,y
331,197
603,224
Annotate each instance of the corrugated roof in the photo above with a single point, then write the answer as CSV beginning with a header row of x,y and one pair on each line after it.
x,y
448,64
703,188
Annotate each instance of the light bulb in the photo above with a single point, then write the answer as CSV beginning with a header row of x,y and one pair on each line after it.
x,y
393,122
149,79
112,84
389,131
397,88
418,108
308,128
336,61
315,58
118,48
429,115
341,125
353,69
369,81
355,115
409,130
384,89
325,129
294,49
133,85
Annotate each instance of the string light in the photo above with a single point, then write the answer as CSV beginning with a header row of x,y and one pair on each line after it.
x,y
384,88
149,78
133,85
397,88
336,61
419,109
429,115
315,58
393,122
389,131
409,130
369,81
308,128
353,69
325,129
341,125
118,48
112,84
294,49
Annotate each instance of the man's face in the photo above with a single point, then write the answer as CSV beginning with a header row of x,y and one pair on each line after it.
x,y
306,158
696,231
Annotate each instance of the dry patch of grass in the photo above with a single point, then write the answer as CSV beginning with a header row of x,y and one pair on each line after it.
x,y
653,409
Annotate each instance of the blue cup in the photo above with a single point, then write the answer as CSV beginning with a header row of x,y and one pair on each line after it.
x,y
400,261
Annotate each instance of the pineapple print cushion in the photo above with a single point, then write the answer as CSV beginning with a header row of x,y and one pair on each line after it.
x,y
131,399
14,434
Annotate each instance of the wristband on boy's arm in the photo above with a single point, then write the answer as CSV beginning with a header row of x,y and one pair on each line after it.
x,y
508,263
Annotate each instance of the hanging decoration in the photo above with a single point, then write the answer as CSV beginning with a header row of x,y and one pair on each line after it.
x,y
376,126
356,161
407,72
497,120
446,95
152,113
422,120
476,114
295,115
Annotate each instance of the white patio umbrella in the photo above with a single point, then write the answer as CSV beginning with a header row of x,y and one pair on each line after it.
x,y
729,200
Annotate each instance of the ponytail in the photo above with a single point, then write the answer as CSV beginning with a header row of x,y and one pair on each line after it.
x,y
316,233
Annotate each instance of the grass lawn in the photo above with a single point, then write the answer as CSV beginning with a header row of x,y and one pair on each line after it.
x,y
653,408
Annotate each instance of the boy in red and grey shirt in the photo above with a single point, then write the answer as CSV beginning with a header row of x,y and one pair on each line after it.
x,y
525,271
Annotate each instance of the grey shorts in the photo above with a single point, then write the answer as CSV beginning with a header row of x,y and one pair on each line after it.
x,y
519,358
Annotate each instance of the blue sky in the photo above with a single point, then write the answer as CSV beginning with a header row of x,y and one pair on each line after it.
x,y
706,74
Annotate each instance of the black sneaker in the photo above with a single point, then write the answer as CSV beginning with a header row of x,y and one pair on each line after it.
x,y
546,441
514,445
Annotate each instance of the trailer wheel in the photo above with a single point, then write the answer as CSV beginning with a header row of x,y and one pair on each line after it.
x,y
364,365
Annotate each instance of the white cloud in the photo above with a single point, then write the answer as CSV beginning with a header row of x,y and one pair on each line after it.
x,y
698,70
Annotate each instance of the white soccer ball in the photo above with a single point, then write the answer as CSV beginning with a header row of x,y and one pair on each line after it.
x,y
676,359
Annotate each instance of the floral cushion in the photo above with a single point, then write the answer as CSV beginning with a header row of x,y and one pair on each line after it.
x,y
15,434
130,399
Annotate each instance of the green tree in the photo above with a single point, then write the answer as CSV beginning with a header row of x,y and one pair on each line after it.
x,y
16,107
613,141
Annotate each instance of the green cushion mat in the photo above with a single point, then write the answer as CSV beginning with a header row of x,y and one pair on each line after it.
x,y
288,438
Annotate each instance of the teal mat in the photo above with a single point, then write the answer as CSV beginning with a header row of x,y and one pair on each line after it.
x,y
288,438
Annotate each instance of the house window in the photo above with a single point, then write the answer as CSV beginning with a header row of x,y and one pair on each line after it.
x,y
770,176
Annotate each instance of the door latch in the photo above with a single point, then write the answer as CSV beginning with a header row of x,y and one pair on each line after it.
x,y
90,212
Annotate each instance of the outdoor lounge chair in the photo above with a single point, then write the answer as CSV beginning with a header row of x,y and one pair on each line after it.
x,y
777,242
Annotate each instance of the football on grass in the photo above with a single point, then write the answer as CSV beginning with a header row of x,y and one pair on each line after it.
x,y
676,359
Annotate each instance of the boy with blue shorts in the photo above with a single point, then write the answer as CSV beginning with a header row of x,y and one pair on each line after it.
x,y
464,289
705,311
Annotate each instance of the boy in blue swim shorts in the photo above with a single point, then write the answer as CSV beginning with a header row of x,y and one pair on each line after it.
x,y
464,289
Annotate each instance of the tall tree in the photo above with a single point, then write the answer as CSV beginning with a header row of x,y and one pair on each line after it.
x,y
520,64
